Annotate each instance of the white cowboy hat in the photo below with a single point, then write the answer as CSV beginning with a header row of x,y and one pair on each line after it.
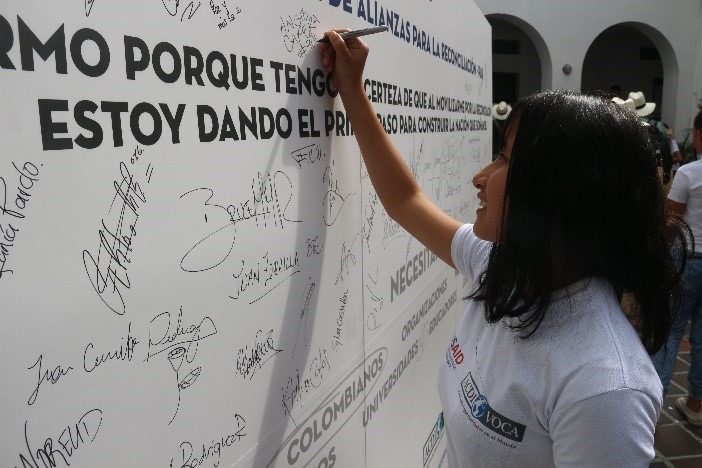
x,y
501,110
629,103
643,108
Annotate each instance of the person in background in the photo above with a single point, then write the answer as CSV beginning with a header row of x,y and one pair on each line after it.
x,y
500,112
544,369
674,151
685,199
641,106
626,103
657,132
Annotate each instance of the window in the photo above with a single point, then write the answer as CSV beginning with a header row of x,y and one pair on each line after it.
x,y
506,46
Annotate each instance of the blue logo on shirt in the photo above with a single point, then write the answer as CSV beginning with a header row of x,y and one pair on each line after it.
x,y
491,419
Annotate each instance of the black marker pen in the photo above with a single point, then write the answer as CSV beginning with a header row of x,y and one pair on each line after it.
x,y
357,33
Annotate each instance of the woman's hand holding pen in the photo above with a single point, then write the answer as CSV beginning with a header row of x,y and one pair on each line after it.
x,y
346,59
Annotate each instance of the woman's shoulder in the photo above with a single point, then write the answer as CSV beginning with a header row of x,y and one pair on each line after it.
x,y
600,350
468,251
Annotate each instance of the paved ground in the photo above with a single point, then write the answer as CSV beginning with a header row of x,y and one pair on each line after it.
x,y
678,444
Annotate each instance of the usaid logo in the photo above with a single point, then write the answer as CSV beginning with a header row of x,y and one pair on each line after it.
x,y
491,419
454,355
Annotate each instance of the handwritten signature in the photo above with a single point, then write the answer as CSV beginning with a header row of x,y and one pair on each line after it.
x,y
391,229
227,17
302,334
182,344
299,32
308,155
173,6
333,200
250,360
297,387
113,257
89,7
52,376
72,438
336,338
376,302
445,172
348,259
213,452
266,275
123,352
28,175
313,246
267,203
369,218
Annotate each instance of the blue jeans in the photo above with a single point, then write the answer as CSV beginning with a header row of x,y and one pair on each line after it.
x,y
690,309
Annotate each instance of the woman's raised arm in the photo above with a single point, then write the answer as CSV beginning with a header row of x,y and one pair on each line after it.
x,y
392,179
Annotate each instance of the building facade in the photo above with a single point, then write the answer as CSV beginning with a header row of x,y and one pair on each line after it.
x,y
652,46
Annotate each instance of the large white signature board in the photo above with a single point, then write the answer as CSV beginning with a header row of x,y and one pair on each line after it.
x,y
194,268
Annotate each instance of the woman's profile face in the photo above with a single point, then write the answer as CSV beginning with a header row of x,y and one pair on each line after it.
x,y
490,182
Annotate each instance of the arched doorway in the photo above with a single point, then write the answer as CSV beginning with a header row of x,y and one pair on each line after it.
x,y
636,57
521,63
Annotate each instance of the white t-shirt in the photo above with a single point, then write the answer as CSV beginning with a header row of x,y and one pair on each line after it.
x,y
581,391
687,188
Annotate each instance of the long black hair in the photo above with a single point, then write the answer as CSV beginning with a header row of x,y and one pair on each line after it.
x,y
583,196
